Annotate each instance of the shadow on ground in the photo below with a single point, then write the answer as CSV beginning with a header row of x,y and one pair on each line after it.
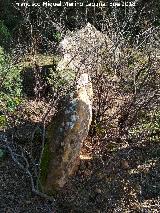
x,y
125,179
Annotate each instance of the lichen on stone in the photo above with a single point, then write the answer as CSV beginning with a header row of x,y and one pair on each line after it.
x,y
70,126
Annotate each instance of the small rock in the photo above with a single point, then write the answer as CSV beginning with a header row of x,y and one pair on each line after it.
x,y
125,164
99,191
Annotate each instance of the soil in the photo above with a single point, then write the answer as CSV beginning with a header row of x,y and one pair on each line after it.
x,y
123,181
121,178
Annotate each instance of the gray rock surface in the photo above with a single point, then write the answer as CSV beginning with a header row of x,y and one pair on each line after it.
x,y
83,50
65,137
82,54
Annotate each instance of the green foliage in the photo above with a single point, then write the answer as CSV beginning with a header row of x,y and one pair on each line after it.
x,y
2,154
149,123
57,36
2,121
10,86
4,33
61,80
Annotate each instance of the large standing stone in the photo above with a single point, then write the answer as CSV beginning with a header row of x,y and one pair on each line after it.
x,y
84,50
82,54
65,137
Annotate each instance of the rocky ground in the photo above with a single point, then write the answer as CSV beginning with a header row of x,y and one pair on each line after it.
x,y
15,191
120,178
124,179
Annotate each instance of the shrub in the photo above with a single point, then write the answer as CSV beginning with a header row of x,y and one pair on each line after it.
x,y
10,86
4,34
126,96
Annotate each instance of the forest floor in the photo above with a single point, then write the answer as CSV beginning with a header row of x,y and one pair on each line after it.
x,y
121,178
126,178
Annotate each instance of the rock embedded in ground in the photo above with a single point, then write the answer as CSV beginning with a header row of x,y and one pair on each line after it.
x,y
82,54
65,136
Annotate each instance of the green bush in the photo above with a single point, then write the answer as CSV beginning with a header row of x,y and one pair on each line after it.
x,y
4,34
148,126
10,86
57,36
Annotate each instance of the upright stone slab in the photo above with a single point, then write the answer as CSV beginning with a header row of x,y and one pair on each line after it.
x,y
82,54
83,50
65,137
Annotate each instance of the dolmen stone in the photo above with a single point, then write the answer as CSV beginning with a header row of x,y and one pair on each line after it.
x,y
85,49
65,136
82,53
